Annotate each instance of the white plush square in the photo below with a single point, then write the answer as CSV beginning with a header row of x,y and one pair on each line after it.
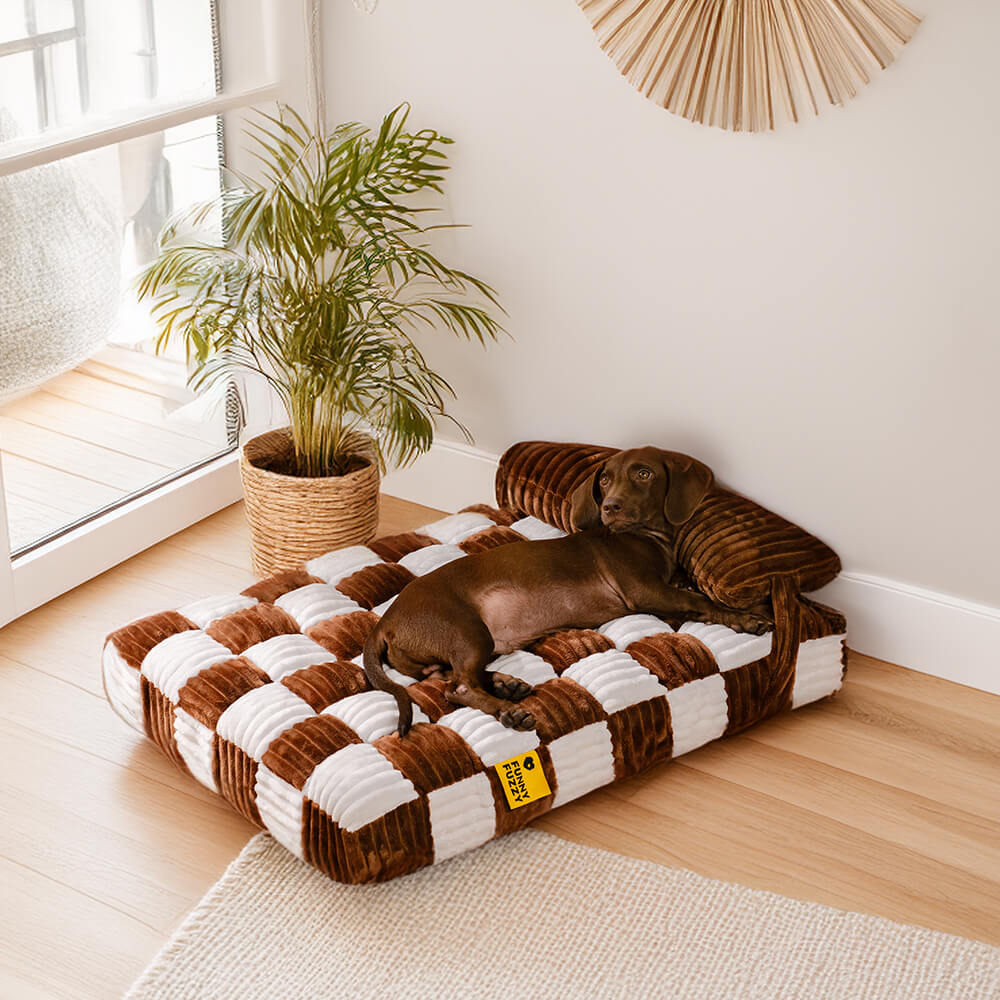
x,y
371,714
699,712
456,528
284,654
280,807
491,740
209,609
730,649
533,528
195,742
524,666
394,675
172,663
334,566
819,669
123,686
260,716
430,557
631,628
463,816
356,785
314,603
583,760
615,679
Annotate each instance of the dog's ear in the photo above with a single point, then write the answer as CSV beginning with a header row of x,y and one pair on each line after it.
x,y
688,480
585,509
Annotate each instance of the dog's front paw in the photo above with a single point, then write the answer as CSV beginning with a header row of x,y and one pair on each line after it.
x,y
517,718
510,688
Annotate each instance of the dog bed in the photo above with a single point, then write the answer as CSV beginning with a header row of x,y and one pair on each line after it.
x,y
261,697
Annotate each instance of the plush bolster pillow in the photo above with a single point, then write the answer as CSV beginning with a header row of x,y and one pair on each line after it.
x,y
732,548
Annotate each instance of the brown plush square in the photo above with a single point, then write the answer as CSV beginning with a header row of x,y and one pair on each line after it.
x,y
675,659
344,635
208,694
243,629
563,649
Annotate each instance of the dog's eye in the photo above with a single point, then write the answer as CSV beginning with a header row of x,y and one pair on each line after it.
x,y
605,479
645,474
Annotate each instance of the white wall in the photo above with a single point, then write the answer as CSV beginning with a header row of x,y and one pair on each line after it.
x,y
813,312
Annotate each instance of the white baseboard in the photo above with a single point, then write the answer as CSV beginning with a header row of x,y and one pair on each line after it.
x,y
927,631
449,476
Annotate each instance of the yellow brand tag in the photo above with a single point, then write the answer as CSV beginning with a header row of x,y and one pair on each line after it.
x,y
523,779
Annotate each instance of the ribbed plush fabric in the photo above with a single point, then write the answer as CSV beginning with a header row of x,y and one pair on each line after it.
x,y
733,548
534,916
261,697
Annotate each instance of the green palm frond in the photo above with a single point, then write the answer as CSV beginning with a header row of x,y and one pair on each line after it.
x,y
324,276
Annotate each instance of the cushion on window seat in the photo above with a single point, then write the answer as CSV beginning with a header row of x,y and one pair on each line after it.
x,y
260,696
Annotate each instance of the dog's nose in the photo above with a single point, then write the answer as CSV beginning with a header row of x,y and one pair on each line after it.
x,y
612,506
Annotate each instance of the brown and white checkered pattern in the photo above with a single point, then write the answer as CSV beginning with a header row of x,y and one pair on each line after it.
x,y
261,697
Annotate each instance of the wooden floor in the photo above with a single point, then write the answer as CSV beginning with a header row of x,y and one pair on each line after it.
x,y
92,436
883,799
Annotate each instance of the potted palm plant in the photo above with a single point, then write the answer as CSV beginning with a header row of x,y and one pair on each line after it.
x,y
316,278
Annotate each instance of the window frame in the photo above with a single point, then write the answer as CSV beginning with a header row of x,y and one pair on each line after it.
x,y
47,570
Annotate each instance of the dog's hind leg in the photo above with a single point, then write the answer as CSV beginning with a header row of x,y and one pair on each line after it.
x,y
471,682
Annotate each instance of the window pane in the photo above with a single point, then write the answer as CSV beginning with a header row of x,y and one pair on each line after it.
x,y
133,52
88,413
18,103
62,89
186,35
12,21
51,15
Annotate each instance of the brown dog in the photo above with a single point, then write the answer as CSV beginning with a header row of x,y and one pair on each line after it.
x,y
618,561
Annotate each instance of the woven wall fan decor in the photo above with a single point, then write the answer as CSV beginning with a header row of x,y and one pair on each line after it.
x,y
743,64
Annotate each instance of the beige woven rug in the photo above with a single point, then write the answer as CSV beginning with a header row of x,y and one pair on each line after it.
x,y
533,916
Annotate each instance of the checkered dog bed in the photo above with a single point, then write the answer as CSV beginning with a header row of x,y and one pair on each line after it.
x,y
260,695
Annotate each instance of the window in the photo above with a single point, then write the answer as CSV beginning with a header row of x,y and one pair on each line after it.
x,y
43,64
111,118
66,61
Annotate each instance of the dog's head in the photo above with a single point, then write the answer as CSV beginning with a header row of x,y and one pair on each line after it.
x,y
642,488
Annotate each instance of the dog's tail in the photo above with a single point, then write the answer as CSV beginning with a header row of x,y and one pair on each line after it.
x,y
376,647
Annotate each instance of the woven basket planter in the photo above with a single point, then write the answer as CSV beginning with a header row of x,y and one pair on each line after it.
x,y
293,518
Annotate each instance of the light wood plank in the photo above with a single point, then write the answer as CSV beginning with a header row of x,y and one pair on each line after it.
x,y
32,482
158,368
80,720
923,692
837,735
961,839
110,398
110,430
28,520
172,388
678,816
102,860
59,944
100,465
